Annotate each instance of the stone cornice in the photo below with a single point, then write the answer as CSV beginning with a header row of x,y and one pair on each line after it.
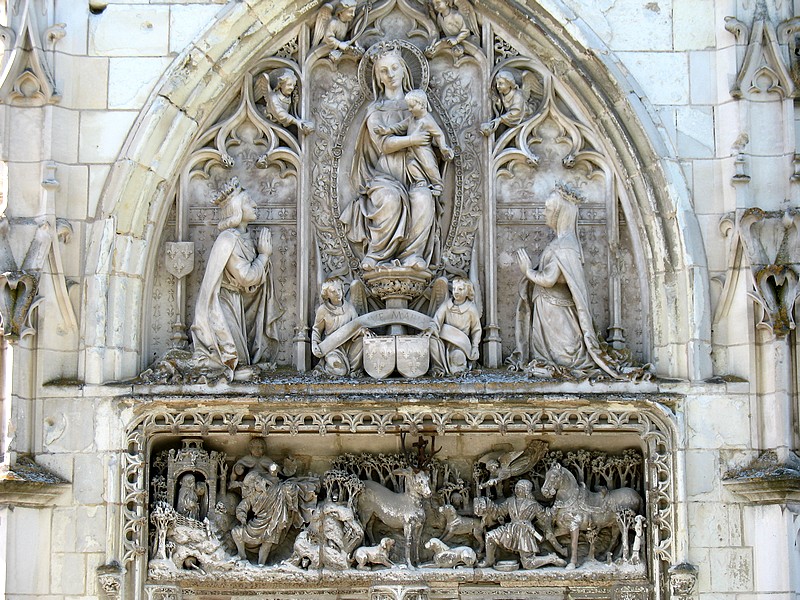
x,y
30,485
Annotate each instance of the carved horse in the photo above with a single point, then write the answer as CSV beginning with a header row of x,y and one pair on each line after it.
x,y
397,510
577,509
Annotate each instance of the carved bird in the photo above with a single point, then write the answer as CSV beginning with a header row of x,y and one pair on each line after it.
x,y
504,465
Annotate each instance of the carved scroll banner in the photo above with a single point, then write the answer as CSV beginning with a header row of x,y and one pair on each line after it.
x,y
378,318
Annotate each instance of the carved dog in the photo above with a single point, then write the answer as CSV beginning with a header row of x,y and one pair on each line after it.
x,y
449,558
460,525
377,555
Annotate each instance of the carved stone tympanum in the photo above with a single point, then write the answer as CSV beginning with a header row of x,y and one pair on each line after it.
x,y
361,146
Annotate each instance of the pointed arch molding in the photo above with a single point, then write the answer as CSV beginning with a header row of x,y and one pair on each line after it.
x,y
137,194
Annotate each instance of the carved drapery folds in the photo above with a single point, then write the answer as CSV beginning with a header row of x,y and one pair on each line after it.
x,y
387,146
352,513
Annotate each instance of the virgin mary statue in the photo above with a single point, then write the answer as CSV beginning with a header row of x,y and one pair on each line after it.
x,y
391,221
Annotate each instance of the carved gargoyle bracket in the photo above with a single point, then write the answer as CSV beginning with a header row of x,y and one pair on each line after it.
x,y
767,243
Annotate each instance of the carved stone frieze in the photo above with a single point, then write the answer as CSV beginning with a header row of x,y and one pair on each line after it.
x,y
178,535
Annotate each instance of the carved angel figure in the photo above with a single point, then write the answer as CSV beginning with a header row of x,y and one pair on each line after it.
x,y
236,316
332,27
456,20
554,330
511,102
456,345
333,314
278,90
504,465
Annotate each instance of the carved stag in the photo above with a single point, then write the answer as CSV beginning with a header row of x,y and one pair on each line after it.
x,y
397,510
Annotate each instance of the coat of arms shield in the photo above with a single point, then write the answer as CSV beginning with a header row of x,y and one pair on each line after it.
x,y
413,355
379,356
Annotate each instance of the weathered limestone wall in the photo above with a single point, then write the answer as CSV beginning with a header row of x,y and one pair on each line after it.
x,y
676,64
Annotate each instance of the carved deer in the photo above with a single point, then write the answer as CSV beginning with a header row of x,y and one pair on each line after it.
x,y
397,510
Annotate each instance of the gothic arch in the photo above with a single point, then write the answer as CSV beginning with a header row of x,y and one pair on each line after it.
x,y
138,192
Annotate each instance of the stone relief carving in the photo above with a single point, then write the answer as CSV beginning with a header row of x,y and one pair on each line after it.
x,y
554,331
234,321
293,522
322,498
361,146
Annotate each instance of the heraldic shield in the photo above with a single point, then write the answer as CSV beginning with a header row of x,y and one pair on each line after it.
x,y
413,355
379,356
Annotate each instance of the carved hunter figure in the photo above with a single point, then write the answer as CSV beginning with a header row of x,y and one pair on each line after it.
x,y
518,535
235,319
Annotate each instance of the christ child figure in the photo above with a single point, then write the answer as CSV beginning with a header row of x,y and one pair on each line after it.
x,y
421,161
